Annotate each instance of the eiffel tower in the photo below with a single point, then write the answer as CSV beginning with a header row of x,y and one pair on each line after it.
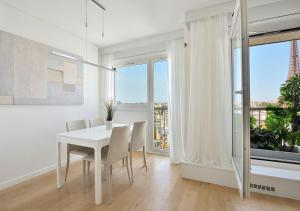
x,y
294,60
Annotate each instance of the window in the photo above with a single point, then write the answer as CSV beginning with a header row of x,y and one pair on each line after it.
x,y
142,86
160,100
274,131
131,84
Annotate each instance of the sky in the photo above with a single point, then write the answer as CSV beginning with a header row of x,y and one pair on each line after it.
x,y
269,66
160,81
131,83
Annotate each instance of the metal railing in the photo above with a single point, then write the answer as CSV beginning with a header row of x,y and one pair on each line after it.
x,y
260,114
161,143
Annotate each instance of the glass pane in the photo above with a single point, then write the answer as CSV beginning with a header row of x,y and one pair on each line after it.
x,y
237,145
161,82
160,86
131,84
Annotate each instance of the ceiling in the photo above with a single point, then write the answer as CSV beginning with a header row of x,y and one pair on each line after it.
x,y
275,16
125,20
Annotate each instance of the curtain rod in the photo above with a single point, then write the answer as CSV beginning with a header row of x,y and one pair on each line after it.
x,y
280,16
266,19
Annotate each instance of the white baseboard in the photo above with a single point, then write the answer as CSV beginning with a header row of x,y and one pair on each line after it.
x,y
218,176
23,178
225,177
28,176
157,153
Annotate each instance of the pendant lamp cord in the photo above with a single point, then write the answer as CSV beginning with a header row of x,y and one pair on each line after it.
x,y
86,28
102,30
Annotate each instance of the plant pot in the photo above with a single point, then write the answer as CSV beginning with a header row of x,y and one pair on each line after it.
x,y
109,125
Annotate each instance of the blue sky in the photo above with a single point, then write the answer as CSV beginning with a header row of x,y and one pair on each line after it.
x,y
268,70
161,81
131,83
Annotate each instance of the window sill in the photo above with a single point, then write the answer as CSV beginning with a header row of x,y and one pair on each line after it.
x,y
275,156
133,107
275,172
275,169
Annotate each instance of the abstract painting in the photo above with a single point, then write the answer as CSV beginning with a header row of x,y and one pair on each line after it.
x,y
30,74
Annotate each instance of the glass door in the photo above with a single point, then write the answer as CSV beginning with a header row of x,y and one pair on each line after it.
x,y
160,103
240,98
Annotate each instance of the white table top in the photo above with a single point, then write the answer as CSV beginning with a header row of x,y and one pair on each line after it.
x,y
92,134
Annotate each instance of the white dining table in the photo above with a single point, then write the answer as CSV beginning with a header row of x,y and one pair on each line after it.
x,y
96,138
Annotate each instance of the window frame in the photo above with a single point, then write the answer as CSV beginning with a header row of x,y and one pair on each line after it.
x,y
268,39
149,60
158,151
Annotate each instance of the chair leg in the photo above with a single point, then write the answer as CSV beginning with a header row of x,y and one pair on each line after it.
x,y
84,175
144,155
105,172
109,183
68,164
131,166
128,169
123,161
88,173
110,169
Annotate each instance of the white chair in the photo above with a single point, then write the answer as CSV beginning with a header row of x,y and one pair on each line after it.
x,y
138,140
96,122
74,149
118,149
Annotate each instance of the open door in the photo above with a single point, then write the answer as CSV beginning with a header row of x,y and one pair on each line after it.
x,y
240,98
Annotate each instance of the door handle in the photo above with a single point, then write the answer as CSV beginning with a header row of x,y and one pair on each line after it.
x,y
238,92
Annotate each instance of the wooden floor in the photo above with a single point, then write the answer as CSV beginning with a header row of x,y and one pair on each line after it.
x,y
161,188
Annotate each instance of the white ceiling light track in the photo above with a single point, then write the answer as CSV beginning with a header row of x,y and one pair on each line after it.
x,y
85,61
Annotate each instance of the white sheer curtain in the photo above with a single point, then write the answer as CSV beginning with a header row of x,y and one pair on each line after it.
x,y
209,93
106,81
175,51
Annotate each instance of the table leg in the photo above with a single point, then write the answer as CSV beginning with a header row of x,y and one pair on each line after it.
x,y
98,186
58,166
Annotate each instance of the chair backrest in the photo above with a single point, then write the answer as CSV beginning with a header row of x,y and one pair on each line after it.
x,y
75,125
96,122
118,145
138,136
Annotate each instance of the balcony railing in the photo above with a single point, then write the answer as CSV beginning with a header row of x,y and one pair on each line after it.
x,y
260,114
161,143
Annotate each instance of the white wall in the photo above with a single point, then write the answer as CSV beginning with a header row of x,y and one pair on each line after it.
x,y
27,133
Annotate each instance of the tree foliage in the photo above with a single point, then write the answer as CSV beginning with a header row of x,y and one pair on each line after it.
x,y
282,122
290,98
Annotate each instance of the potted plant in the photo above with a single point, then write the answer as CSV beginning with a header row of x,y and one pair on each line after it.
x,y
110,110
280,139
